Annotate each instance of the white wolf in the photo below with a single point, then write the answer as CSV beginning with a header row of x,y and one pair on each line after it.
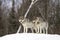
x,y
41,25
26,24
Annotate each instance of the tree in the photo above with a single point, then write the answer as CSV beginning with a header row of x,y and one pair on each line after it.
x,y
13,20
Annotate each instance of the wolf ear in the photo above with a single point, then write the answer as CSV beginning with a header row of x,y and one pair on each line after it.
x,y
32,0
19,20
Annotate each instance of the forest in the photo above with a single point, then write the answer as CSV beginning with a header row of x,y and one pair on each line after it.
x,y
11,10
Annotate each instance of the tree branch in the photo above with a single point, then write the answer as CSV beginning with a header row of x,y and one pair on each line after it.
x,y
32,3
19,29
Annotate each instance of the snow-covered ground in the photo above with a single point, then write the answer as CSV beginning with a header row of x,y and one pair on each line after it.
x,y
30,36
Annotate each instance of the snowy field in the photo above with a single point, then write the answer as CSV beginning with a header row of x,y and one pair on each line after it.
x,y
30,36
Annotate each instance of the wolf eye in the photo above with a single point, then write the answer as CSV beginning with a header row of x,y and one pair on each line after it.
x,y
37,22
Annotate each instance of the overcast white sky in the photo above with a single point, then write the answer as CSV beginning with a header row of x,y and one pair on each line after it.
x,y
8,3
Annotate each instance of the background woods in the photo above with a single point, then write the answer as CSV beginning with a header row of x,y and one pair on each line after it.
x,y
48,10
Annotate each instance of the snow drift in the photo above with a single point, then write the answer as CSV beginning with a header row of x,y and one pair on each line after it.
x,y
30,36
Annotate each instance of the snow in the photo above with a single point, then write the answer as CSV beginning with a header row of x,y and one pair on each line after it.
x,y
30,36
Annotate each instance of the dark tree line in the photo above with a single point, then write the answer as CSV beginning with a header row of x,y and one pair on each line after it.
x,y
8,20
